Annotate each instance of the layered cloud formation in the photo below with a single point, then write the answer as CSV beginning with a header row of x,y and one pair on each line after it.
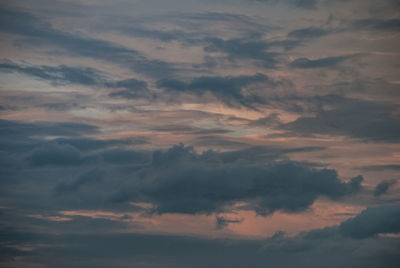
x,y
228,133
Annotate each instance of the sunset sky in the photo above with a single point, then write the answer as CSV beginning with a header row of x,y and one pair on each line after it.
x,y
200,133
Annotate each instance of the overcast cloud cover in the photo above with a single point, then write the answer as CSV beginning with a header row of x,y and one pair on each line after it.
x,y
224,133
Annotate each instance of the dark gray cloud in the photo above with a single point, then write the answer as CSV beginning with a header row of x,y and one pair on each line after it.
x,y
383,187
320,63
86,178
162,35
63,75
54,154
377,24
250,43
305,4
87,144
326,247
176,180
132,89
28,141
120,156
365,120
373,221
219,141
308,33
182,181
190,130
229,90
222,222
58,75
381,167
16,129
37,31
242,48
271,120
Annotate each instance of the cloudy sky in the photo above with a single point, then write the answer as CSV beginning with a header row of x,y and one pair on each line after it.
x,y
199,133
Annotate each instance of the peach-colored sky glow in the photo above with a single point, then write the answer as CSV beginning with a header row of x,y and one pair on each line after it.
x,y
321,214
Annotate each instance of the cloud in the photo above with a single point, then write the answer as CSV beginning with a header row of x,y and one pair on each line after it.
x,y
190,129
58,75
320,63
214,80
119,156
87,144
242,48
372,221
308,33
177,180
381,167
354,118
229,90
86,178
383,187
53,154
16,129
305,4
326,247
248,45
222,222
377,24
36,31
133,89
182,181
64,75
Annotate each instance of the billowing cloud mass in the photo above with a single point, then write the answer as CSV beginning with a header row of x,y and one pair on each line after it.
x,y
383,187
184,182
225,133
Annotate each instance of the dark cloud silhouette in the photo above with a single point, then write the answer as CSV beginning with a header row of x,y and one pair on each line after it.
x,y
53,154
58,75
365,120
326,247
185,182
87,144
320,63
382,187
381,167
119,156
63,75
305,4
132,83
373,221
162,35
377,24
176,180
16,129
222,222
242,48
308,33
86,178
227,89
190,130
236,49
133,89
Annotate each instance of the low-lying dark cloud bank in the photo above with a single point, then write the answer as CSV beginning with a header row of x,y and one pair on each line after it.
x,y
357,242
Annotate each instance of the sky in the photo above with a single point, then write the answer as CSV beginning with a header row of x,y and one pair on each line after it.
x,y
183,133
